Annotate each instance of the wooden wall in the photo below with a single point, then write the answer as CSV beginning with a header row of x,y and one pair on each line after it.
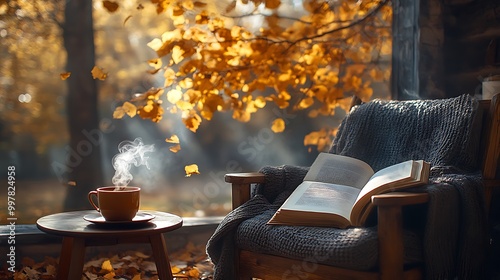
x,y
472,44
444,48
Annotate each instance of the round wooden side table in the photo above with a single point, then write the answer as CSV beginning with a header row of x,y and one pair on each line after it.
x,y
79,233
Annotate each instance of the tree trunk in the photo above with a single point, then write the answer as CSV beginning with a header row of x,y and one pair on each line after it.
x,y
83,166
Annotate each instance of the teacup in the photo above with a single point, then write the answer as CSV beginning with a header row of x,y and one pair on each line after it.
x,y
116,205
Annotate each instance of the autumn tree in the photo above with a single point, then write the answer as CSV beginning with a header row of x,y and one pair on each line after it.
x,y
313,58
84,159
25,106
36,106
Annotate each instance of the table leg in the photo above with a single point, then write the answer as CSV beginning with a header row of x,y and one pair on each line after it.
x,y
160,255
71,258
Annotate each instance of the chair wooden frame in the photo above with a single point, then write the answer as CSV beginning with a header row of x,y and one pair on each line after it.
x,y
389,210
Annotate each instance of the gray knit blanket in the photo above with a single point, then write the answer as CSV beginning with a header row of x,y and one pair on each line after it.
x,y
453,236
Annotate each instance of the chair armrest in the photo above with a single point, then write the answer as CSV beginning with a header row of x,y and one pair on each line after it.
x,y
390,229
240,185
399,199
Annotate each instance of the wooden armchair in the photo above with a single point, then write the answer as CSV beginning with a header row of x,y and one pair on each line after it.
x,y
249,264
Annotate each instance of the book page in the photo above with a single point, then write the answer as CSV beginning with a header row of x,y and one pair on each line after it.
x,y
340,170
390,178
321,197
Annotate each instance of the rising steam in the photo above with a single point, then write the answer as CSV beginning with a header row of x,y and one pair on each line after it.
x,y
131,152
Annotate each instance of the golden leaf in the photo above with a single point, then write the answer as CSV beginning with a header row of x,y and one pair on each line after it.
x,y
175,269
98,73
312,138
273,4
184,105
306,103
174,95
377,74
129,109
173,139
110,6
169,77
278,125
202,18
118,113
241,115
106,265
175,148
192,122
155,44
193,273
65,75
156,63
260,102
179,20
186,83
149,106
177,54
191,169
152,111
345,103
110,275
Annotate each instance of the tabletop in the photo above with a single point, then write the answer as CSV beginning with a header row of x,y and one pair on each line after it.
x,y
73,224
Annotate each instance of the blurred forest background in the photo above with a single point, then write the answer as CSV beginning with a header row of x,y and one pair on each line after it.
x,y
38,108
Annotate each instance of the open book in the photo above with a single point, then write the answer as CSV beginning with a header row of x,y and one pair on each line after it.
x,y
337,191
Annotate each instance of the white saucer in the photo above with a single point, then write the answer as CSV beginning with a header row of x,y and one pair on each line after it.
x,y
140,217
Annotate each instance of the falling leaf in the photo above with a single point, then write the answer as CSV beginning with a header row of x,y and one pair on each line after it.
x,y
278,125
129,109
193,121
118,113
98,73
191,169
110,6
106,265
175,148
65,75
156,63
72,183
173,139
